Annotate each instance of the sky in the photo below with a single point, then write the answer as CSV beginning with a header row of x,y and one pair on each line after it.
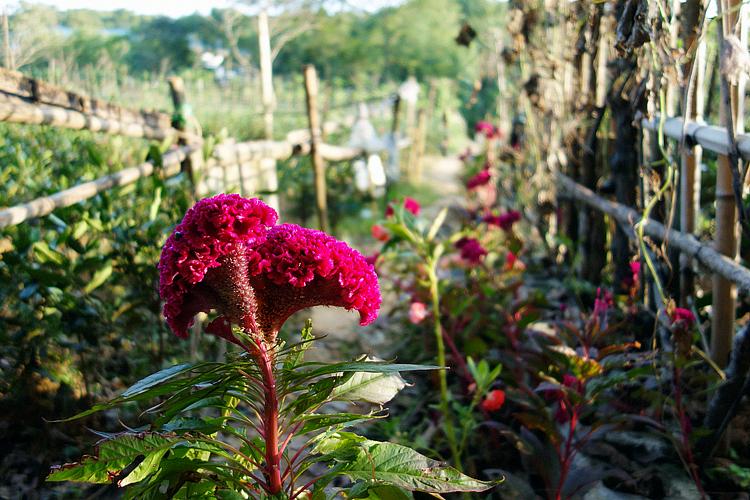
x,y
172,8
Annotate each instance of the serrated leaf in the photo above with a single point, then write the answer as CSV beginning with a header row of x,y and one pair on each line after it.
x,y
115,455
377,388
396,465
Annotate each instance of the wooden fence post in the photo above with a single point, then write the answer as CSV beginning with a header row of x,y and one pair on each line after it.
x,y
690,175
726,238
319,168
182,115
395,118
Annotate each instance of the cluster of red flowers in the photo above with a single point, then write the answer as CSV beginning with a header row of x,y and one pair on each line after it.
x,y
480,179
471,250
503,221
682,316
228,255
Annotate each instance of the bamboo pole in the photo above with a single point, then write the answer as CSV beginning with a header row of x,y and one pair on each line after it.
x,y
16,110
183,122
690,175
726,237
705,255
311,92
47,204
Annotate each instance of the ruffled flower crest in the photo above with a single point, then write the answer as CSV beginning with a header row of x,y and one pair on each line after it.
x,y
227,255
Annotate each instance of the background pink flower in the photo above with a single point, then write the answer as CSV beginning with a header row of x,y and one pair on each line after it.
x,y
479,179
471,250
412,205
417,312
494,400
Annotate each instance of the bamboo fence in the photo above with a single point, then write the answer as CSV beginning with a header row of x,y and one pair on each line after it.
x,y
30,101
618,118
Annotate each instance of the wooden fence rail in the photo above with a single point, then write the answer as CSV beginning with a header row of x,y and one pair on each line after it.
x,y
31,101
628,218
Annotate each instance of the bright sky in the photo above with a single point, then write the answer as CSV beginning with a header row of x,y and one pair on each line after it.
x,y
172,8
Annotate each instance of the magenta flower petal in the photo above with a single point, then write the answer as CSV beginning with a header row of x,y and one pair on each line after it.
x,y
227,255
210,231
479,179
296,268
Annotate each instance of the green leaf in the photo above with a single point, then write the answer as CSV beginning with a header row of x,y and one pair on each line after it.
x,y
142,451
378,388
156,378
359,366
100,276
45,254
297,352
317,421
437,224
379,492
396,465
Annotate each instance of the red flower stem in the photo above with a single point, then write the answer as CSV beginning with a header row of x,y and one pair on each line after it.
x,y
566,457
684,433
289,437
272,470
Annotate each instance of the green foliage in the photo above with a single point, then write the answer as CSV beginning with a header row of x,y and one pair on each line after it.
x,y
204,432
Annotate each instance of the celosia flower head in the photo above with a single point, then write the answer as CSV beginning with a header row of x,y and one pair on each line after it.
x,y
684,315
479,179
471,250
210,231
410,205
227,255
485,128
504,221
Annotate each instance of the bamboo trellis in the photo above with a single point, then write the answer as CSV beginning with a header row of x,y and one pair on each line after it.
x,y
593,85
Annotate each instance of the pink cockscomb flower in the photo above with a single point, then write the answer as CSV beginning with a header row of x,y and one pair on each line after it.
x,y
412,205
479,179
683,316
494,400
471,250
210,231
504,221
417,312
226,255
485,128
296,268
